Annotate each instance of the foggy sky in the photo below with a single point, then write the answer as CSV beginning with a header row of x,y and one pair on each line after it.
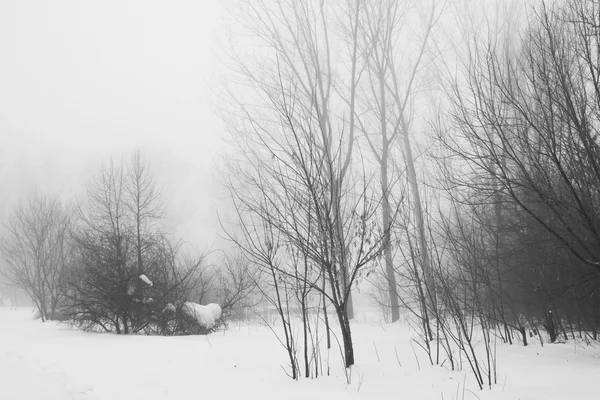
x,y
81,81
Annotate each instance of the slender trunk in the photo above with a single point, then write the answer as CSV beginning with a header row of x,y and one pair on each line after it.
x,y
40,290
343,251
498,247
385,195
389,263
349,305
289,340
347,339
550,327
508,333
344,321
523,335
325,316
140,266
429,292
305,333
427,333
348,157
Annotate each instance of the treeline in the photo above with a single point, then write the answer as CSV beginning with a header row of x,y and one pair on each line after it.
x,y
515,239
526,204
104,263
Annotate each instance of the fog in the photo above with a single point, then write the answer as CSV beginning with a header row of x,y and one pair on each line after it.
x,y
81,82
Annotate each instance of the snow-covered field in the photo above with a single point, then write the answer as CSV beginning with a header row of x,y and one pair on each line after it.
x,y
52,362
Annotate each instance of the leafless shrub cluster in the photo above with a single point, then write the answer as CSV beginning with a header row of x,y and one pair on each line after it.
x,y
106,265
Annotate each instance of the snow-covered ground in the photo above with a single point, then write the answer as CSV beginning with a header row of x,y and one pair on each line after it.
x,y
52,362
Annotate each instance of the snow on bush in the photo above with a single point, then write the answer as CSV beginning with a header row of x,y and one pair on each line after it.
x,y
216,310
205,315
170,308
146,280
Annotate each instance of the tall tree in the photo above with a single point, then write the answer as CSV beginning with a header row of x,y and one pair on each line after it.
x,y
386,30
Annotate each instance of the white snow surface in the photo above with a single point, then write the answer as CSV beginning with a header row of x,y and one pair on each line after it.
x,y
52,362
146,280
206,315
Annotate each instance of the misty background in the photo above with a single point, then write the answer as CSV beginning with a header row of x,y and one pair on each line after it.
x,y
84,82
81,82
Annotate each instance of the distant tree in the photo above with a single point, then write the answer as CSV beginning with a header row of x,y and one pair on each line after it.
x,y
386,106
37,249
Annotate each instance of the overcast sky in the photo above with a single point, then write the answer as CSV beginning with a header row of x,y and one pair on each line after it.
x,y
83,80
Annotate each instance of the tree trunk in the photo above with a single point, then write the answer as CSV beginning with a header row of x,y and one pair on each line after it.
x,y
429,292
389,262
347,339
327,329
524,335
550,327
305,334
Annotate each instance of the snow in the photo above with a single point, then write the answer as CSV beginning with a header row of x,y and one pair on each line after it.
x,y
206,316
170,308
52,362
215,309
146,280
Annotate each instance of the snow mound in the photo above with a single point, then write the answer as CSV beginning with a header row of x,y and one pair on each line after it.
x,y
205,315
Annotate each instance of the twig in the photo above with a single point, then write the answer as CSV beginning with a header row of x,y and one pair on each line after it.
x,y
415,353
361,378
397,358
376,352
473,393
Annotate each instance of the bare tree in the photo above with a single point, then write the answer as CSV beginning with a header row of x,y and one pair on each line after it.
x,y
119,247
286,227
101,284
300,41
37,250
